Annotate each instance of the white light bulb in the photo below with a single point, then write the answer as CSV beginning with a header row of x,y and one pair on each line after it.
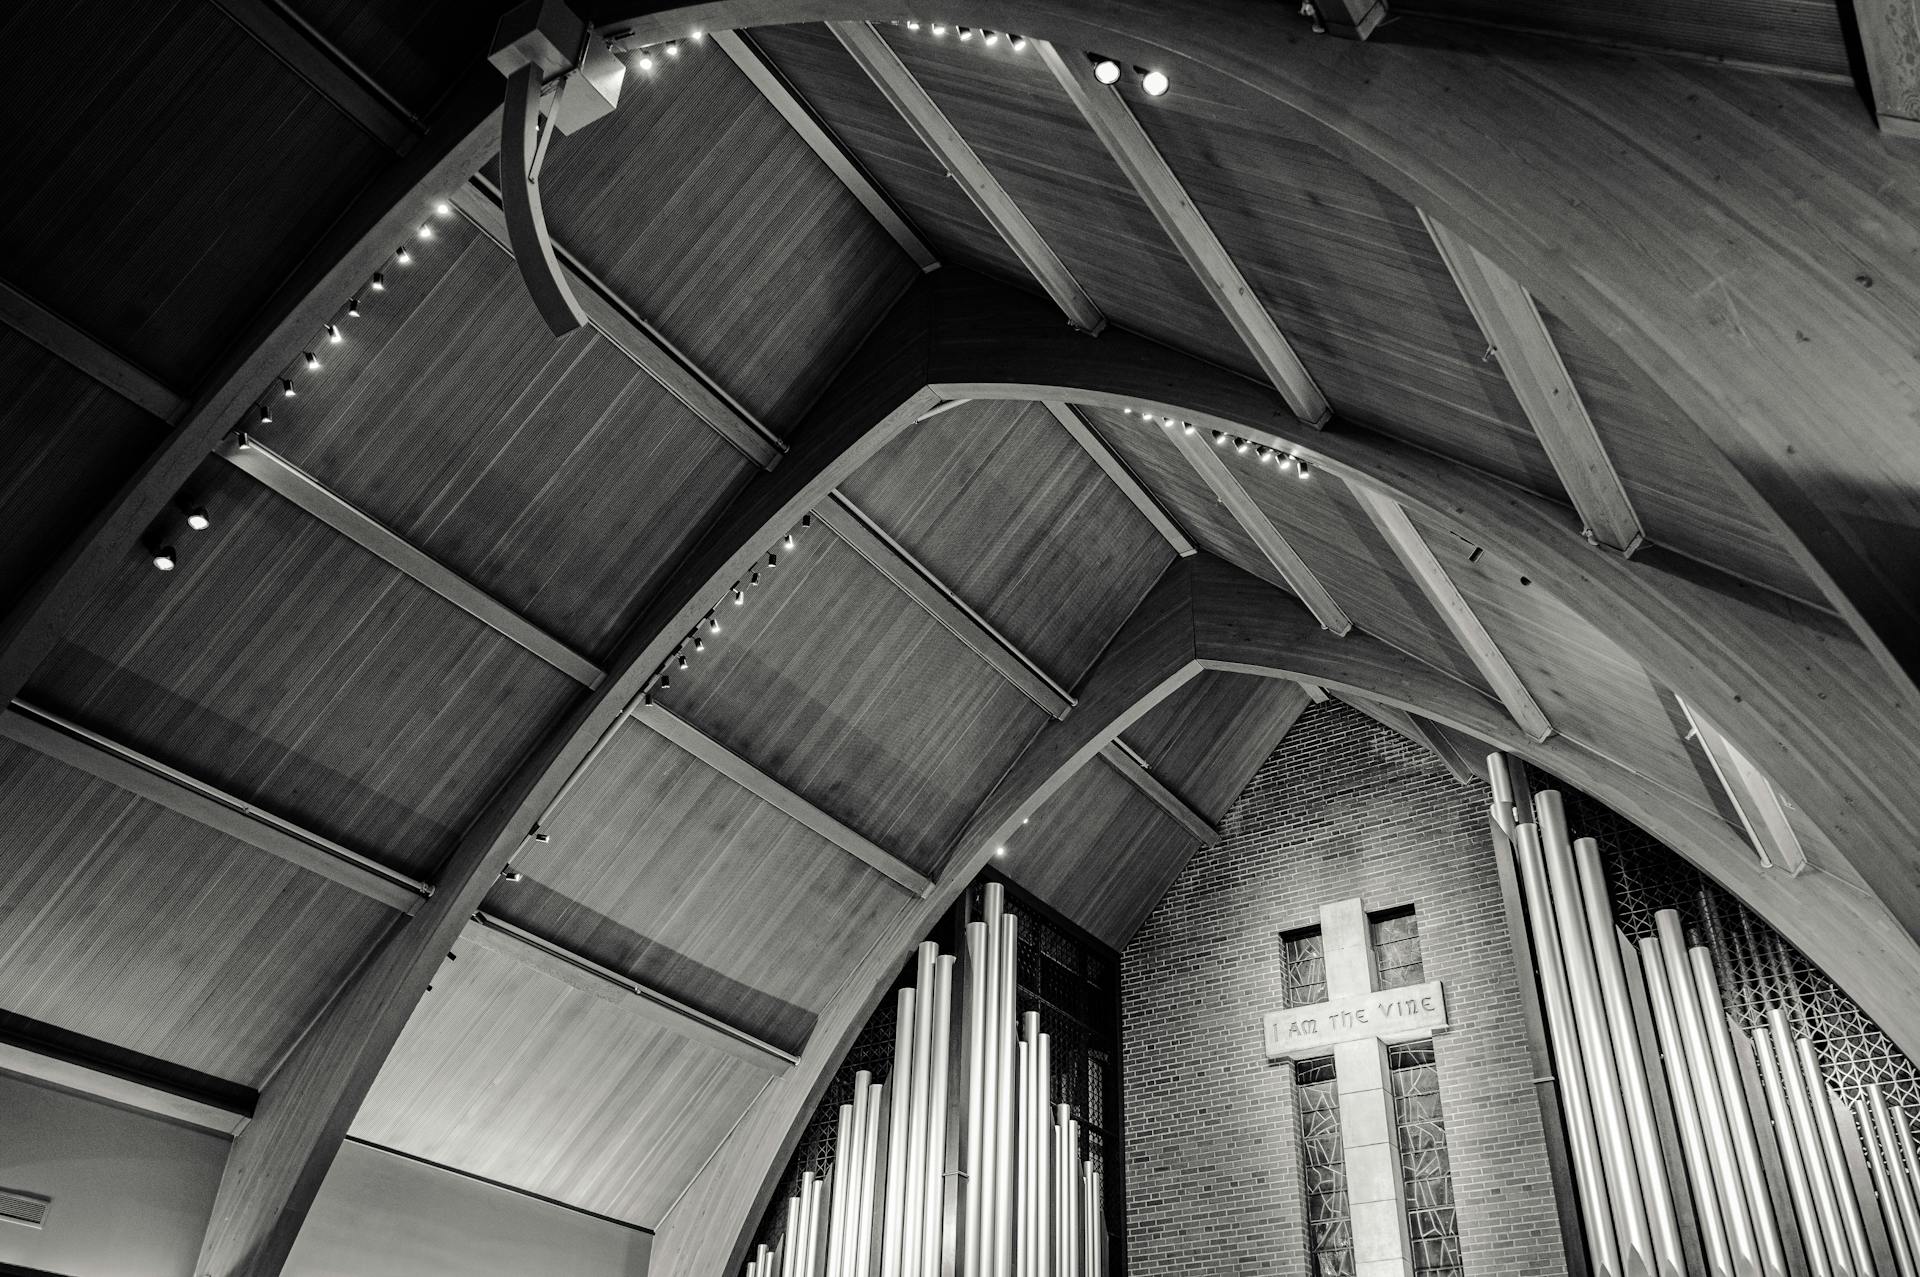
x,y
939,28
1019,44
1154,82
673,50
1107,71
197,519
164,558
646,62
443,208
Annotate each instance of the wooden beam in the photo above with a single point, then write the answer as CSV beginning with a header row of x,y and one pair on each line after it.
x,y
1390,518
1762,811
1414,730
1519,339
303,490
1125,762
81,349
768,790
793,108
890,75
334,76
1315,693
115,1087
848,522
1122,476
1890,39
1106,112
1254,522
478,202
67,742
502,937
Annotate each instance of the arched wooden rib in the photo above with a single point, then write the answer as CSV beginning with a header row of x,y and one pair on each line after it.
x,y
1206,615
1723,230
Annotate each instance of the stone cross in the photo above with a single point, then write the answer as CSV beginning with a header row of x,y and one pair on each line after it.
x,y
1356,1023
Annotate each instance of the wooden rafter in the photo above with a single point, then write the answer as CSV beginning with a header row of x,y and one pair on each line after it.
x,y
924,116
614,320
1890,39
277,473
852,525
1763,813
1520,341
332,75
1106,112
1135,773
88,354
767,789
1273,546
793,108
1121,474
1390,518
118,1088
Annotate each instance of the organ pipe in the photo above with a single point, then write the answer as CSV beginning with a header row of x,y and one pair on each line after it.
x,y
842,1187
913,1189
865,1238
1004,1161
1043,1169
1855,1226
979,949
1746,1148
1819,1170
1687,1115
1906,1201
901,1084
1799,1185
1883,1162
1904,1132
932,1211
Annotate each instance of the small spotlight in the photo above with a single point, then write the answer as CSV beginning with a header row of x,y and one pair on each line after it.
x,y
402,256
286,388
673,49
510,874
913,24
1266,454
1303,467
664,683
353,307
806,520
1154,82
681,663
713,624
1106,70
1240,445
425,231
1018,43
312,360
773,560
1188,428
992,38
966,33
165,559
541,835
939,28
646,62
999,851
1219,440
739,595
754,579
333,333
198,520
443,208
1167,421
699,644
266,417
697,36
786,542
379,283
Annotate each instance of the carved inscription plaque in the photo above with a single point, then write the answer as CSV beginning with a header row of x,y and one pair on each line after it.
x,y
1392,1015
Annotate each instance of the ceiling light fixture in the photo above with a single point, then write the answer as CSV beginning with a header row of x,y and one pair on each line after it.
x,y
939,28
1018,43
198,520
1106,70
509,874
286,388
1154,82
353,307
311,360
402,256
966,33
443,208
165,559
379,283
333,333
266,417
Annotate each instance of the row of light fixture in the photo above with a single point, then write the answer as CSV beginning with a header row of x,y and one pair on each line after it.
x,y
1223,440
709,625
1105,70
649,58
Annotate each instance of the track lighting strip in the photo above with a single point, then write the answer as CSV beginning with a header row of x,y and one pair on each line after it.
x,y
307,492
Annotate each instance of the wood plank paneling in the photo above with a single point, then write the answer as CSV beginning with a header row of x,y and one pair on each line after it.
x,y
697,205
111,218
834,683
665,870
66,445
286,665
1001,505
556,475
507,1073
413,49
1207,739
125,922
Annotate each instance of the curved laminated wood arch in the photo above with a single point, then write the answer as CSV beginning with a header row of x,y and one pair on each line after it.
x,y
1752,244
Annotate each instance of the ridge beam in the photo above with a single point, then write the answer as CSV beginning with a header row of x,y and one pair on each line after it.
x,y
1109,461
1390,517
1107,114
1122,759
1519,339
890,75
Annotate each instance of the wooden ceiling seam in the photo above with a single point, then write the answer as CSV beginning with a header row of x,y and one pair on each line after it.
x,y
806,122
281,31
1273,546
73,344
1122,475
678,730
1108,115
897,84
895,562
1519,340
1135,773
259,462
1418,558
617,321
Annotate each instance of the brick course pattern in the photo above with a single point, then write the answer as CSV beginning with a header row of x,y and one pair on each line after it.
x,y
1343,808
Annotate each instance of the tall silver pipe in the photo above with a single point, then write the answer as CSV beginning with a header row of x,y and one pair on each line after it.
x,y
1029,1143
1687,1115
1706,1094
1662,1219
1799,1185
1062,1188
1044,1222
850,1221
1883,1163
790,1243
1903,1130
1819,1171
1073,1169
1003,1145
1899,1180
1596,1048
1818,1099
1582,1140
1746,1148
803,1249
976,984
933,1212
844,1185
993,910
763,1261
900,1089
865,1239
1023,1174
913,1187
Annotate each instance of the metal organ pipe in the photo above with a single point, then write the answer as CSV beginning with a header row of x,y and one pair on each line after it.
x,y
932,1213
1062,1191
1023,1145
1819,1170
912,1185
843,1186
1044,1220
1799,1185
978,981
1883,1161
900,1083
864,1241
1746,1148
1904,1132
1693,1137
1836,1160
1904,1197
1003,1119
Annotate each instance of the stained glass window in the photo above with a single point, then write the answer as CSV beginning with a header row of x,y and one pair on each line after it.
x,y
1303,967
1424,1168
1323,1168
1395,934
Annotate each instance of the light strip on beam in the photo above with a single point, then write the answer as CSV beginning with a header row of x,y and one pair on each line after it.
x,y
1417,556
613,319
1547,395
767,789
786,99
500,936
883,66
1123,478
1758,803
84,351
1122,760
848,522
67,742
307,492
1255,523
1105,111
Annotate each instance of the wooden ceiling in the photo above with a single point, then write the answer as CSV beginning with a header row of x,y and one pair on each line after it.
x,y
255,802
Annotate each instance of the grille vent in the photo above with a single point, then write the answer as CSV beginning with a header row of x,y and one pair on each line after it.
x,y
24,1208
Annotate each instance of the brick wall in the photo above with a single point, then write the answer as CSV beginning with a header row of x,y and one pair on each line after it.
x,y
1342,808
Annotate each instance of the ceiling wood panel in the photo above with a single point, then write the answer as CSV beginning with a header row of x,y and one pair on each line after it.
x,y
286,665
699,207
125,922
1207,739
837,685
66,446
508,1074
179,113
1013,516
1099,851
413,49
665,870
555,475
